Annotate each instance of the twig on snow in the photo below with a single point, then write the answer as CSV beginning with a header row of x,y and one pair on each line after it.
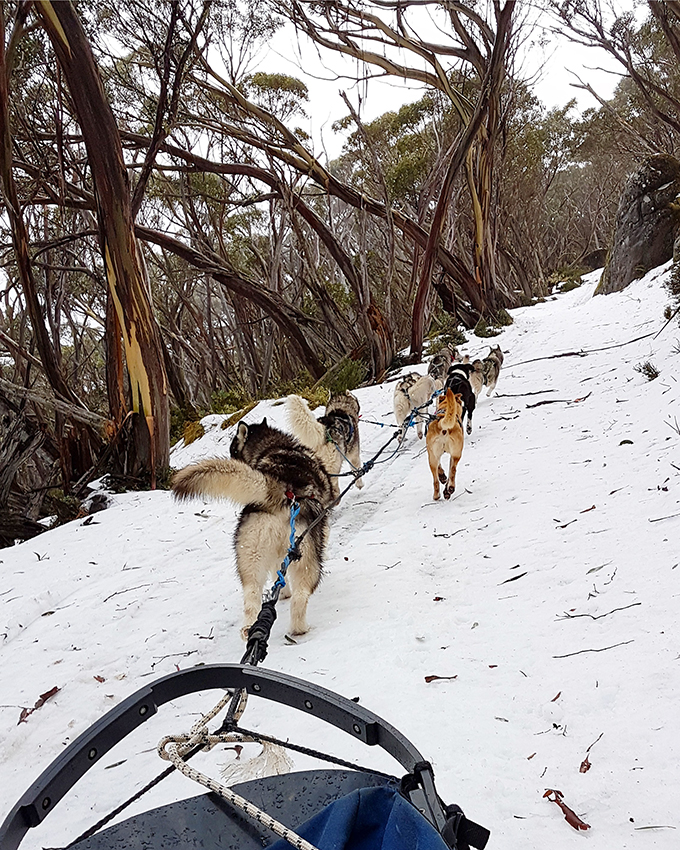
x,y
581,353
127,590
559,401
674,425
568,616
520,395
658,519
160,658
602,649
585,764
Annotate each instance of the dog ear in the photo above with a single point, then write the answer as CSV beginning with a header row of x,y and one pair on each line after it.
x,y
240,439
264,421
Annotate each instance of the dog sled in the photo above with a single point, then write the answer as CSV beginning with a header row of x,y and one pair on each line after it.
x,y
346,808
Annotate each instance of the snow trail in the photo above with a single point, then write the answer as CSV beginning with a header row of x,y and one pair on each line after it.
x,y
548,586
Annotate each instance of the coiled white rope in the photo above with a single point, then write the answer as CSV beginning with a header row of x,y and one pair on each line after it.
x,y
173,748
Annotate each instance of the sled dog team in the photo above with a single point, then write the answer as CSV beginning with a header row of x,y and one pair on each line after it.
x,y
268,468
459,383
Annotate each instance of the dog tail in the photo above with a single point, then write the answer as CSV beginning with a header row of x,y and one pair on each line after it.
x,y
305,426
225,478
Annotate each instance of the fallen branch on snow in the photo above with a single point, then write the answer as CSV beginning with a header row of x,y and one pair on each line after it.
x,y
559,401
602,649
581,353
568,616
520,395
658,519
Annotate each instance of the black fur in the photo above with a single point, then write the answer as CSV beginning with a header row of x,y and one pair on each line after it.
x,y
339,426
282,457
457,381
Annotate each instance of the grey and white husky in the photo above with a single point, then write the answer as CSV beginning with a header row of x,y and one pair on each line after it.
x,y
265,468
491,367
334,437
439,364
413,391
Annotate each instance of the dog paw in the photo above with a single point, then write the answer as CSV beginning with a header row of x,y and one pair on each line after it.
x,y
436,496
300,629
448,492
359,483
442,476
469,428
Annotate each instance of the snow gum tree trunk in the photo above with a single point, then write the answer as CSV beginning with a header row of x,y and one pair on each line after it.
x,y
125,270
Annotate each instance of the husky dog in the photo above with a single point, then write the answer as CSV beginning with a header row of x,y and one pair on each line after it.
x,y
458,381
413,390
333,437
492,367
440,363
265,467
476,376
445,436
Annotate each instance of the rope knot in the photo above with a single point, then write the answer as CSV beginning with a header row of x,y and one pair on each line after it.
x,y
294,553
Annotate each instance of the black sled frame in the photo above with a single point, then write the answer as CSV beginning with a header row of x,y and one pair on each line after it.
x,y
207,821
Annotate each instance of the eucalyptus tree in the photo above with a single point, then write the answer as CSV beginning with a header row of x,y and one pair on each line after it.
x,y
648,52
379,35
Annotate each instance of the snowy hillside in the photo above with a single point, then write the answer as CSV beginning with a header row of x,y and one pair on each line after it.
x,y
547,589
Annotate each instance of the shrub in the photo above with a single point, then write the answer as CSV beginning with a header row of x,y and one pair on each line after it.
x,y
238,415
230,399
444,332
503,318
568,285
61,506
648,369
566,278
349,375
484,330
192,431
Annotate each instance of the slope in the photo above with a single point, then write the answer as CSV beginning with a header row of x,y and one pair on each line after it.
x,y
547,588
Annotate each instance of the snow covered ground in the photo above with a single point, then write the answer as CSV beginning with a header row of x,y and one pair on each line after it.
x,y
548,588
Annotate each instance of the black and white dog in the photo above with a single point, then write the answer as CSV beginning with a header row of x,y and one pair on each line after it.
x,y
265,466
458,381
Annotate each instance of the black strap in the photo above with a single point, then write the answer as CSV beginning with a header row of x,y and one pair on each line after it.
x,y
258,634
460,833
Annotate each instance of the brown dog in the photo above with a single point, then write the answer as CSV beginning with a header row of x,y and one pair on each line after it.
x,y
445,436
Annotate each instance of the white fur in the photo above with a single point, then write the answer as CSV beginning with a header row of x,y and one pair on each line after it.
x,y
262,546
262,542
418,394
312,434
476,377
223,478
